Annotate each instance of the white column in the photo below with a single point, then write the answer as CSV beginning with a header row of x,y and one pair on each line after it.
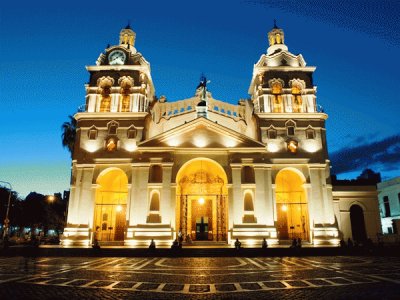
x,y
140,197
237,195
85,207
114,102
91,102
316,196
165,201
260,207
268,197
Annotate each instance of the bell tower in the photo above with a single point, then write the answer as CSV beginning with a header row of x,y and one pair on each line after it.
x,y
293,131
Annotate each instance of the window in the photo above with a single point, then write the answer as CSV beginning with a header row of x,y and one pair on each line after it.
x,y
105,102
248,202
387,206
248,174
131,133
277,97
310,134
272,134
290,130
111,145
112,129
292,146
92,134
296,98
155,174
155,202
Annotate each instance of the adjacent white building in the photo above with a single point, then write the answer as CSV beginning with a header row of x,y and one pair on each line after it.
x,y
389,203
145,168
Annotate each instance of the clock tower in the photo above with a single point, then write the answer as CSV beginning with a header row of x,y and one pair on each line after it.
x,y
118,96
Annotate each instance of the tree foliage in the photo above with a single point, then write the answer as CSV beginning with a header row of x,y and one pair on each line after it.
x,y
69,134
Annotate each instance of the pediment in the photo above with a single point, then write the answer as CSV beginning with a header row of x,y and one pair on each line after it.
x,y
201,133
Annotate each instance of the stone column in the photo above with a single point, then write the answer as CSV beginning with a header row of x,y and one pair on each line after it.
x,y
260,207
237,201
165,201
85,207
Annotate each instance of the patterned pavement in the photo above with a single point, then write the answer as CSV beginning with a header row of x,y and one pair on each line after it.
x,y
200,278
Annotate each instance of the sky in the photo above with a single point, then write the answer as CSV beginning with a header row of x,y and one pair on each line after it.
x,y
45,46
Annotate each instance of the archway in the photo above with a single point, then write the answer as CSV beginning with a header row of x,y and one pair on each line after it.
x,y
357,223
202,200
291,205
110,208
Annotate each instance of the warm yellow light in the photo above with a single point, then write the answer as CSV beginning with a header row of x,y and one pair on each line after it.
x,y
200,142
272,147
284,208
51,198
119,208
201,200
292,146
173,142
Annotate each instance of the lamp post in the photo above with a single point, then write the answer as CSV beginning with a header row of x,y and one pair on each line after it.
x,y
6,220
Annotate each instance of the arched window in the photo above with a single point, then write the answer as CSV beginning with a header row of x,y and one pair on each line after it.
x,y
126,84
248,202
277,97
112,128
131,133
297,99
248,174
155,174
155,202
105,104
92,133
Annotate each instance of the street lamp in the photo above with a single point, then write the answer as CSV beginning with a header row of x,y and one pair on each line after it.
x,y
7,220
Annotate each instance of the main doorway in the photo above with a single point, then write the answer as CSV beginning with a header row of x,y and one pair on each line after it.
x,y
110,207
201,204
291,206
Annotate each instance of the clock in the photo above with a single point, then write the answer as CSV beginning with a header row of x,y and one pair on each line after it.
x,y
116,57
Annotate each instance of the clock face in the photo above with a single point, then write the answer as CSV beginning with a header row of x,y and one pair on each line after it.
x,y
116,57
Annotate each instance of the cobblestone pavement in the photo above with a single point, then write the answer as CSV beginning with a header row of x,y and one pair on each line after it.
x,y
200,278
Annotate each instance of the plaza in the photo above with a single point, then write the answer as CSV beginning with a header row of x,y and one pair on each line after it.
x,y
332,277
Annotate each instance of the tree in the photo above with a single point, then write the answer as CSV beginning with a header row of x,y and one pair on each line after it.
x,y
69,134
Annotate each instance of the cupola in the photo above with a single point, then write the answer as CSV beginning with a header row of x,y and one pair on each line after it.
x,y
127,36
276,38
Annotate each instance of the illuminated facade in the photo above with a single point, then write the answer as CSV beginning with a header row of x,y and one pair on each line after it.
x,y
389,202
145,168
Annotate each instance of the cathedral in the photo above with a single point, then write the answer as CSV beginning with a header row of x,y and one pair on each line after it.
x,y
146,168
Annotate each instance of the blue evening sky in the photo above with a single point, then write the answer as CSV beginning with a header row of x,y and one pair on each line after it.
x,y
45,45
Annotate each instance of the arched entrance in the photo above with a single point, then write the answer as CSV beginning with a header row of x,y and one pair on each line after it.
x,y
201,202
357,223
291,205
110,209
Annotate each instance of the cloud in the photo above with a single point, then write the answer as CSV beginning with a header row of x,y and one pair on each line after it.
x,y
383,155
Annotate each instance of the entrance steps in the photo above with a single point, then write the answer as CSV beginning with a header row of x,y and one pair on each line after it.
x,y
207,244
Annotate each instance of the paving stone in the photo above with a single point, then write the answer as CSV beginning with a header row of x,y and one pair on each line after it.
x,y
297,283
274,284
79,282
124,285
101,283
148,286
340,280
173,287
58,281
225,287
200,288
250,286
319,282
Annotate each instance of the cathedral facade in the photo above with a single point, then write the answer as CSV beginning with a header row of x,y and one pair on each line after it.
x,y
144,168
